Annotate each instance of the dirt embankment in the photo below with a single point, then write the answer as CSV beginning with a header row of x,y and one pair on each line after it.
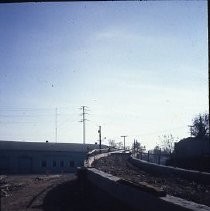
x,y
179,187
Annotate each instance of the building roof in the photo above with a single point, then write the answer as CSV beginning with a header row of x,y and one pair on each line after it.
x,y
47,146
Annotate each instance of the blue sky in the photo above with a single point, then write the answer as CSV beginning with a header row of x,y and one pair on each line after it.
x,y
140,67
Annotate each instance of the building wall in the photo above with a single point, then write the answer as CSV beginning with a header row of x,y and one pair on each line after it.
x,y
21,162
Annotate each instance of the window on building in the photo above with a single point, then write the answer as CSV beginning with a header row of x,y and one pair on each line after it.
x,y
61,163
54,163
71,163
44,163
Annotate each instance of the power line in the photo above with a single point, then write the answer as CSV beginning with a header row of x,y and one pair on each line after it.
x,y
24,115
23,109
160,131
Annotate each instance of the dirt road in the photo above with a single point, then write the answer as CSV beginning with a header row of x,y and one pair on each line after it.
x,y
27,192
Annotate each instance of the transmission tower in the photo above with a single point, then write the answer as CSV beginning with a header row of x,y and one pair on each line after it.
x,y
56,125
84,112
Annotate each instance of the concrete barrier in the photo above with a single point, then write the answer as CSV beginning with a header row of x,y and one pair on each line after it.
x,y
138,196
88,163
197,176
141,197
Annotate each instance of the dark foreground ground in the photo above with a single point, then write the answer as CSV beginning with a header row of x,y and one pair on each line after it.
x,y
54,193
179,187
27,192
65,193
72,196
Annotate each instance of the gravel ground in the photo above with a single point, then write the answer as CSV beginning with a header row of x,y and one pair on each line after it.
x,y
119,166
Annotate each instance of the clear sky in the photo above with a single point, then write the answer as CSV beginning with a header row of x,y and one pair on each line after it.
x,y
140,67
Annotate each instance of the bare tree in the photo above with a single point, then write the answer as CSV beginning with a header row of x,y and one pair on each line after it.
x,y
200,126
137,147
119,145
156,150
167,142
112,143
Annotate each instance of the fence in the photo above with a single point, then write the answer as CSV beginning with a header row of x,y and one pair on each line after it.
x,y
157,158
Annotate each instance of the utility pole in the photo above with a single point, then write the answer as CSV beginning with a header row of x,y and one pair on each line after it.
x,y
56,124
84,109
99,133
124,141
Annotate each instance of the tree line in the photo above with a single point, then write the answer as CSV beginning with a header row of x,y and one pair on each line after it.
x,y
198,129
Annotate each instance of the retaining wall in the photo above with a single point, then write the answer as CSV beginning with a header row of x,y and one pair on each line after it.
x,y
139,197
192,175
91,159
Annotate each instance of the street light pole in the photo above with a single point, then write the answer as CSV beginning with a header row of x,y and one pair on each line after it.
x,y
99,133
124,141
